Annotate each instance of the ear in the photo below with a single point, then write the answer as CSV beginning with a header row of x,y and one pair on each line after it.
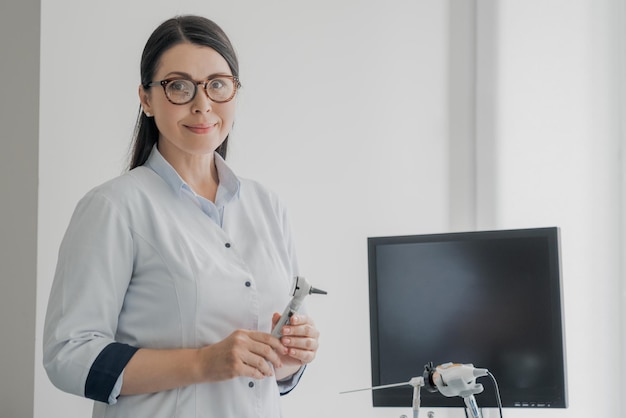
x,y
144,99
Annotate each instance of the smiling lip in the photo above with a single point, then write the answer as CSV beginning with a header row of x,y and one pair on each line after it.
x,y
201,129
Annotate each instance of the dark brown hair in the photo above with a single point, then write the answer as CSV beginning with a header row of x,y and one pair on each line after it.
x,y
193,29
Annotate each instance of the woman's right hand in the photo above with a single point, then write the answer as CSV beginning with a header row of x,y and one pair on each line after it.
x,y
242,353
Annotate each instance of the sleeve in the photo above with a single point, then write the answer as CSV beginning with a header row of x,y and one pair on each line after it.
x,y
287,385
94,268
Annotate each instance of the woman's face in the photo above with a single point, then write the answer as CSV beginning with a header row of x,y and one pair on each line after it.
x,y
200,126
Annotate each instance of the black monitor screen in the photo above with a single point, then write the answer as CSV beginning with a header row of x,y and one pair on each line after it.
x,y
489,298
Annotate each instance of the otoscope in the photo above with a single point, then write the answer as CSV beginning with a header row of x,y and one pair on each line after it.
x,y
299,290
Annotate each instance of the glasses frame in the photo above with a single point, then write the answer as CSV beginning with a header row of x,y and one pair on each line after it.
x,y
204,84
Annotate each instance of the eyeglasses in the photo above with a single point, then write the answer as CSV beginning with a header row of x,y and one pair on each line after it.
x,y
180,91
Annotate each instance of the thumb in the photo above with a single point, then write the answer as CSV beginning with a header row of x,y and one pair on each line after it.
x,y
275,318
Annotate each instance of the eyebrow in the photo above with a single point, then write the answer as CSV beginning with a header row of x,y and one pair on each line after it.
x,y
188,76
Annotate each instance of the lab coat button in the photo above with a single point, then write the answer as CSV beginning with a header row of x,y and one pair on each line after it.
x,y
251,384
248,284
227,245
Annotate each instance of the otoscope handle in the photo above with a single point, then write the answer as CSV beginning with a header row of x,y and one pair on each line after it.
x,y
284,320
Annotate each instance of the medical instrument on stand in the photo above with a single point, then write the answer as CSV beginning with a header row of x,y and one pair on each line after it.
x,y
300,288
416,382
449,379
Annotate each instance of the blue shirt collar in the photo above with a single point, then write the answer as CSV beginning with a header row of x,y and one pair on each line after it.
x,y
227,190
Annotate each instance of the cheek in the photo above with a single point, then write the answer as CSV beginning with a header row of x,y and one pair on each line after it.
x,y
228,115
167,123
167,114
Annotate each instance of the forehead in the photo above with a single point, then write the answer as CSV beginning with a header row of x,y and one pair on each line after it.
x,y
196,60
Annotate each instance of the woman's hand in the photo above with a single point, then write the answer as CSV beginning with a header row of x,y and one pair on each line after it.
x,y
242,353
253,354
301,339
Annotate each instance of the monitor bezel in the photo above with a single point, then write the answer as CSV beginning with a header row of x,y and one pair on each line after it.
x,y
401,396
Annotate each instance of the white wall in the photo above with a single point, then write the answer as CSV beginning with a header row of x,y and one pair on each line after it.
x,y
555,160
368,161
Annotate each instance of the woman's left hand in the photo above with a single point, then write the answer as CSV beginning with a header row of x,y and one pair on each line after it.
x,y
301,338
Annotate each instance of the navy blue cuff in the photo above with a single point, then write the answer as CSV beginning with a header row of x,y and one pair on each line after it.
x,y
294,381
106,369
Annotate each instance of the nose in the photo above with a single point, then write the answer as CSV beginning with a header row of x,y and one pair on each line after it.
x,y
202,103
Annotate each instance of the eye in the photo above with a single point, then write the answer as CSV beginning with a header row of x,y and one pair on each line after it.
x,y
220,89
217,84
180,91
178,86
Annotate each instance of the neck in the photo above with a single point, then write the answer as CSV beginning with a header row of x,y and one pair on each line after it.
x,y
197,170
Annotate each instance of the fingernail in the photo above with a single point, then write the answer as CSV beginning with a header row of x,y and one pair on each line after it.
x,y
286,330
286,341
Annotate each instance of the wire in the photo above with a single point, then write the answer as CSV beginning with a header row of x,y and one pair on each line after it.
x,y
495,385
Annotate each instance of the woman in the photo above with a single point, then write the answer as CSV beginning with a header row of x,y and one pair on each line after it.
x,y
170,277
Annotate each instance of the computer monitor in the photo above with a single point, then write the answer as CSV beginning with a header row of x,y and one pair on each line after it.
x,y
489,298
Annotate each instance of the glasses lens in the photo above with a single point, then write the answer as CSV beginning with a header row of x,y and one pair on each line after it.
x,y
220,89
180,91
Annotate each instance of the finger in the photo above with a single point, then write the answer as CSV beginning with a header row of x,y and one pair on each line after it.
x,y
268,347
259,366
301,319
309,344
268,339
275,319
304,356
305,330
233,357
248,370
